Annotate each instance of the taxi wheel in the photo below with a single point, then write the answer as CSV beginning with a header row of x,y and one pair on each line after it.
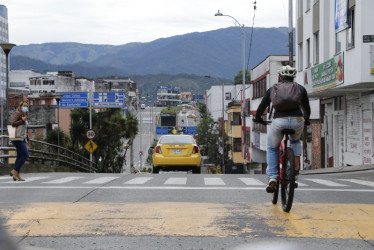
x,y
196,170
155,170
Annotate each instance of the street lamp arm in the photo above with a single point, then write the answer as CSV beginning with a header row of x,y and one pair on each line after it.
x,y
236,21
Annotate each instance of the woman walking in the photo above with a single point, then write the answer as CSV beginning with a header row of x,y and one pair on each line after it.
x,y
19,120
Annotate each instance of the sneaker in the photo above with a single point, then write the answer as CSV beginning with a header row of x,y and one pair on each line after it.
x,y
271,185
296,174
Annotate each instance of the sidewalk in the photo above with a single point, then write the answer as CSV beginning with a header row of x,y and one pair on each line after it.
x,y
338,170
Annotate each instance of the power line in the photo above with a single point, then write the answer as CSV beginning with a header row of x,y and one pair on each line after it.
x,y
253,23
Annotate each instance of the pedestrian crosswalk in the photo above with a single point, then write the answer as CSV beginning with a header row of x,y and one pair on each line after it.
x,y
168,180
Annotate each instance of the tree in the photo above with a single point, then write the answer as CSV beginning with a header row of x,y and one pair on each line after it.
x,y
131,128
239,77
207,135
80,123
111,130
54,135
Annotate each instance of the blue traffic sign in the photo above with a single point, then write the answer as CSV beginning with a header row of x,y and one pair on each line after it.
x,y
191,130
74,100
108,100
161,130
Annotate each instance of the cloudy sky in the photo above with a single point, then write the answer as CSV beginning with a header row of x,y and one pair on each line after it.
x,y
118,22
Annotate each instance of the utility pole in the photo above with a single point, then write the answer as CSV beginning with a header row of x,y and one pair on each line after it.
x,y
290,37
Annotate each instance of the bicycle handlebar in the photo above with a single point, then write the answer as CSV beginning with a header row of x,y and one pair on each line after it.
x,y
262,122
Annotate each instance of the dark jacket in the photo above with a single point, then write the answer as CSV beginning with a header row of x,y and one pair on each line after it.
x,y
294,113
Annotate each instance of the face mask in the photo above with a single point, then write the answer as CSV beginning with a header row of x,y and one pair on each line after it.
x,y
25,109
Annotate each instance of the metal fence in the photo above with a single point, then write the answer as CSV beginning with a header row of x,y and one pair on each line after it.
x,y
45,152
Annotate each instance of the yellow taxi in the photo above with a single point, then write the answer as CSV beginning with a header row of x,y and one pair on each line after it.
x,y
176,152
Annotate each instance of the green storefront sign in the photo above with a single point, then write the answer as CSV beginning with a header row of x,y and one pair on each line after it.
x,y
328,74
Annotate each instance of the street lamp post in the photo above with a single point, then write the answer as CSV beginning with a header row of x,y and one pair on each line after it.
x,y
58,98
242,29
7,47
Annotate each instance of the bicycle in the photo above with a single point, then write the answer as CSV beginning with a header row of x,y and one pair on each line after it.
x,y
286,170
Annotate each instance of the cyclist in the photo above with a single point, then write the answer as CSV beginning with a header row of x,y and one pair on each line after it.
x,y
292,119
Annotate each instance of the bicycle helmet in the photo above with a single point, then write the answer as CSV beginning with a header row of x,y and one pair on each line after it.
x,y
287,71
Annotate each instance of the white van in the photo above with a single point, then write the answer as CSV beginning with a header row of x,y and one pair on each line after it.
x,y
142,106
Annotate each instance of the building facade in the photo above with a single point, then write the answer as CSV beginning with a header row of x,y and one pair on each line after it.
x,y
4,38
168,96
217,101
125,85
62,81
335,62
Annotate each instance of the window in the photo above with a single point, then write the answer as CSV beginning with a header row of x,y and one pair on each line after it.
x,y
228,96
351,28
300,57
308,52
41,102
236,119
259,88
338,46
339,103
237,144
316,48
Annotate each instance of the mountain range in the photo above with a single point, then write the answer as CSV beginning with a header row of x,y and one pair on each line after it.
x,y
216,53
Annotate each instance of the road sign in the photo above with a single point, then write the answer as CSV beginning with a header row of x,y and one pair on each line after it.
x,y
108,100
90,146
191,130
90,134
161,130
74,100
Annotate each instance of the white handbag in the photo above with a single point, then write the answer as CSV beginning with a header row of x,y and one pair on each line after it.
x,y
12,131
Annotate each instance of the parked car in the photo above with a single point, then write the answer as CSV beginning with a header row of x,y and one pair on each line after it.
x,y
142,106
176,152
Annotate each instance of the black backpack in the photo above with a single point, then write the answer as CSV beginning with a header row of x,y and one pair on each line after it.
x,y
286,96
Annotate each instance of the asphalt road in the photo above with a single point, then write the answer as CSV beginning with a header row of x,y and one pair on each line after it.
x,y
185,211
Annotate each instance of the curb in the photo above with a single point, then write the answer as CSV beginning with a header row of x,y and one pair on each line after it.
x,y
338,170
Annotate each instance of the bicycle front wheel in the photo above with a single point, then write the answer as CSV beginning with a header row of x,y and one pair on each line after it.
x,y
288,179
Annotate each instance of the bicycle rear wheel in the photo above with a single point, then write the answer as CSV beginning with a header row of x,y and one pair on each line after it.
x,y
288,180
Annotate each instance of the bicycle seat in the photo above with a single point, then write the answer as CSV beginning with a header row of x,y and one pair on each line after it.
x,y
288,131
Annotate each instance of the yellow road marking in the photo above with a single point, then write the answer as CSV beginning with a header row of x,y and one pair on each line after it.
x,y
344,221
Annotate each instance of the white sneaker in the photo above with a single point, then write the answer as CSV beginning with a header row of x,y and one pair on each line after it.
x,y
271,185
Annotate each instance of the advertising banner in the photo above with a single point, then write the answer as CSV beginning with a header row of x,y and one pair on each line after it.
x,y
341,9
328,74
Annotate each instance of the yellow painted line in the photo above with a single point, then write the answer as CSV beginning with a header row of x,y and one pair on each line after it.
x,y
343,221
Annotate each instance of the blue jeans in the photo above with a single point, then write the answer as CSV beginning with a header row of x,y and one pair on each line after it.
x,y
22,154
274,139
